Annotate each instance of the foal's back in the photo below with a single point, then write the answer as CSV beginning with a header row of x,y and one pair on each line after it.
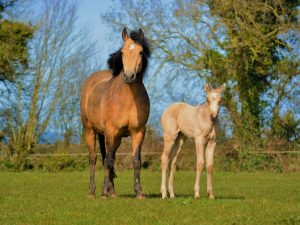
x,y
185,118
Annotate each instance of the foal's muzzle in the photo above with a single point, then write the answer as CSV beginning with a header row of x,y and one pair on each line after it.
x,y
129,78
213,117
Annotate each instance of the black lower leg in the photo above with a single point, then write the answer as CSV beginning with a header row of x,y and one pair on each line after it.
x,y
137,176
109,174
92,164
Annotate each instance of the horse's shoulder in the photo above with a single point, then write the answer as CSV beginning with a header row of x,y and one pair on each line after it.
x,y
99,76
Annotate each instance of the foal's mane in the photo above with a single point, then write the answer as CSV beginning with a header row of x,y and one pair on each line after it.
x,y
115,63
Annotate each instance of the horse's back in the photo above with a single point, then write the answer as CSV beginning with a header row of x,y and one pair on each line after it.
x,y
93,82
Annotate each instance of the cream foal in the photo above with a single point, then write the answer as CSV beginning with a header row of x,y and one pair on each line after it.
x,y
181,120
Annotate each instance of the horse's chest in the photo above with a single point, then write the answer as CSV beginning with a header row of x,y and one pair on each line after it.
x,y
128,113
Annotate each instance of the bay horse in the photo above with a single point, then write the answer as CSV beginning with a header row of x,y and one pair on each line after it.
x,y
181,120
114,104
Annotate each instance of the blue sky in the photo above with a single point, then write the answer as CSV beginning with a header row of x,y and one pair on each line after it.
x,y
89,12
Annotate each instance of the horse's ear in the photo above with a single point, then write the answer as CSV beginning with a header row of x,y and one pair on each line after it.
x,y
222,87
207,87
124,34
141,33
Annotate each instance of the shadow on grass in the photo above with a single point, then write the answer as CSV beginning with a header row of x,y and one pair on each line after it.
x,y
158,196
230,197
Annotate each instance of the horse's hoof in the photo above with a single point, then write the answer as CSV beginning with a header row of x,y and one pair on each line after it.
x,y
113,195
91,196
140,196
197,196
104,196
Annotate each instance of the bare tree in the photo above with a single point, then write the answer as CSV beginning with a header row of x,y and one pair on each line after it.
x,y
56,49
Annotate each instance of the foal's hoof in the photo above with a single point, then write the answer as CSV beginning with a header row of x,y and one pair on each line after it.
x,y
91,196
211,196
140,196
172,196
163,194
197,196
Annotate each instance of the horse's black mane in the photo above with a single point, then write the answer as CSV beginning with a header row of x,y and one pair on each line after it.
x,y
115,63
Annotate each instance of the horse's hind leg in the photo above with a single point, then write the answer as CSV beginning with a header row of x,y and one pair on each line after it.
x,y
90,141
112,143
168,145
101,139
173,157
137,138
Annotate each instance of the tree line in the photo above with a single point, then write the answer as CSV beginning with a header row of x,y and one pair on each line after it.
x,y
252,46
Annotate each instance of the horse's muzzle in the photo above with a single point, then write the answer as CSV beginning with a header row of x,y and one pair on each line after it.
x,y
129,78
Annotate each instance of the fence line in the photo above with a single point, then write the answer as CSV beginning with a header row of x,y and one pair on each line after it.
x,y
84,154
146,153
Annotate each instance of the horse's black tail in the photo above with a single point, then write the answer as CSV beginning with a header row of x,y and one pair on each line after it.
x,y
102,147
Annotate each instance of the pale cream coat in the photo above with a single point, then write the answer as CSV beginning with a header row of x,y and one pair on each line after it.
x,y
181,120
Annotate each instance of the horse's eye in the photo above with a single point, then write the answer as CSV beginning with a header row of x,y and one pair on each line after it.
x,y
220,101
207,100
141,52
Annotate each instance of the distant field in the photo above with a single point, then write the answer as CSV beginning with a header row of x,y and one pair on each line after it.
x,y
60,198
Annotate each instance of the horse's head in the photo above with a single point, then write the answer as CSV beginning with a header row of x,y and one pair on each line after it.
x,y
132,55
132,58
214,99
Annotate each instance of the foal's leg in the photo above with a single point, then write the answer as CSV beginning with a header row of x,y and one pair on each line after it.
x,y
168,145
209,166
199,142
137,138
90,141
112,143
173,157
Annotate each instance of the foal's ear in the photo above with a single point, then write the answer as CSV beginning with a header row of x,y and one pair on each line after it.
x,y
124,34
207,87
141,33
222,87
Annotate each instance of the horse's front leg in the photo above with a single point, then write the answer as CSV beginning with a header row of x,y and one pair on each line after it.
x,y
90,141
209,166
137,138
199,143
112,143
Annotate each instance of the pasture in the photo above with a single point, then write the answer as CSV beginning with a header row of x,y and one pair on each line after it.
x,y
60,198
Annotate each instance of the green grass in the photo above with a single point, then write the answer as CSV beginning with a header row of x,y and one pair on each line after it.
x,y
60,198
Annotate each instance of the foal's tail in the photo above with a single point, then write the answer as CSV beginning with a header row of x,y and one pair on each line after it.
x,y
102,147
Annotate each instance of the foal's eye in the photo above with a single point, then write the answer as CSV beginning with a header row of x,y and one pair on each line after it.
x,y
220,101
207,100
141,52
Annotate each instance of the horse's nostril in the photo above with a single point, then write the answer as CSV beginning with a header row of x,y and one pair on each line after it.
x,y
129,78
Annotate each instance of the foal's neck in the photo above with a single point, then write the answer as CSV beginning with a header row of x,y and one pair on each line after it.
x,y
204,108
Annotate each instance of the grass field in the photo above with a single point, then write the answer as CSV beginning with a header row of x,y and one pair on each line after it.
x,y
60,198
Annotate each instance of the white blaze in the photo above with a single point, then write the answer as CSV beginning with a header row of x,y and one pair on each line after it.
x,y
131,47
214,105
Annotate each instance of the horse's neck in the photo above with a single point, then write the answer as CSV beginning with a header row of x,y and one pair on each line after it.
x,y
127,91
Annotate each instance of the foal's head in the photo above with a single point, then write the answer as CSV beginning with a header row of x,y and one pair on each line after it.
x,y
214,99
132,57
